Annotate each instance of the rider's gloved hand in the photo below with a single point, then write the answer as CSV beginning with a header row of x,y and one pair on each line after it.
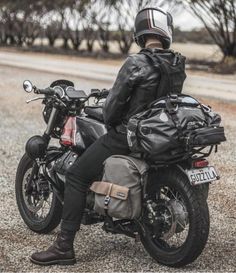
x,y
104,93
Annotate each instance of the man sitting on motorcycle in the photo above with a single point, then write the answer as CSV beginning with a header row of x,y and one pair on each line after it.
x,y
135,88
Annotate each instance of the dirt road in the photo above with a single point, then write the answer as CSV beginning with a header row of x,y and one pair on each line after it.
x,y
221,87
95,250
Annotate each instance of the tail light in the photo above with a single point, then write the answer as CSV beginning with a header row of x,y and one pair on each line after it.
x,y
69,132
200,163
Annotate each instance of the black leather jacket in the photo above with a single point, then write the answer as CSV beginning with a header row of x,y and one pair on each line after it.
x,y
135,87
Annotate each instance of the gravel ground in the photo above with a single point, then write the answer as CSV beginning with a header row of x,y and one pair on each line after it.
x,y
95,250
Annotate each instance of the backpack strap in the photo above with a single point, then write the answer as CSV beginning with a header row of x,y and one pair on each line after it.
x,y
158,63
172,108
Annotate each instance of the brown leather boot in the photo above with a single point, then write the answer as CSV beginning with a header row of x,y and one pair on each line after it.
x,y
61,252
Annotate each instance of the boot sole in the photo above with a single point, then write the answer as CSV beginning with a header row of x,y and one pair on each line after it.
x,y
58,262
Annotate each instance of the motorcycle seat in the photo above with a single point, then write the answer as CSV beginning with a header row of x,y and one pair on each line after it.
x,y
94,112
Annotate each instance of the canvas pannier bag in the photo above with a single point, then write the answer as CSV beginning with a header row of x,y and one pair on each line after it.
x,y
119,193
169,129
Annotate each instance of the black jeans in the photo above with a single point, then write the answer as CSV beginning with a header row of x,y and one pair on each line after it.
x,y
83,172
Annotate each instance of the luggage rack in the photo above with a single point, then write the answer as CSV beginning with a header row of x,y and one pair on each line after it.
x,y
193,153
198,153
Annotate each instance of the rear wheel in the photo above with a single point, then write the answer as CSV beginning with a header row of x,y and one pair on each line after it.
x,y
175,221
37,202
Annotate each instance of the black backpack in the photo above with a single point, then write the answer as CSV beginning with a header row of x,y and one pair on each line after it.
x,y
172,71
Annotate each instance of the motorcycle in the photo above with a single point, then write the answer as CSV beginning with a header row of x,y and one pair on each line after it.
x,y
174,223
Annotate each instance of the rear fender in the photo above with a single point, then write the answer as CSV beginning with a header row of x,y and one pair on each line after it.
x,y
182,170
201,189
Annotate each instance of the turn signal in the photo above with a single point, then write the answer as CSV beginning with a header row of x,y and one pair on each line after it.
x,y
201,163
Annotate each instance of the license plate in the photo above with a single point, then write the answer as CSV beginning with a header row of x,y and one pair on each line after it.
x,y
203,175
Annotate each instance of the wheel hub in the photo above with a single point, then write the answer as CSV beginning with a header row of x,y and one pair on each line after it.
x,y
170,217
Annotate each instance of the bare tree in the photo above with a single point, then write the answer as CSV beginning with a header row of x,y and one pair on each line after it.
x,y
7,22
19,19
8,19
67,10
74,11
219,18
89,24
104,35
52,31
64,28
89,36
32,30
101,20
74,32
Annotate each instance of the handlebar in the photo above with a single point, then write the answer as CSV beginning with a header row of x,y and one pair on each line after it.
x,y
99,94
46,91
62,92
104,92
94,92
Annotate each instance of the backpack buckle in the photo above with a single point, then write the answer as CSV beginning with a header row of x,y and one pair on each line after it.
x,y
174,98
172,103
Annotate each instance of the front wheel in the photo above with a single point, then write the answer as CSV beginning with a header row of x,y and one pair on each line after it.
x,y
36,200
175,223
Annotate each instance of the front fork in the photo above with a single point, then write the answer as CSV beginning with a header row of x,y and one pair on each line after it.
x,y
47,137
51,122
36,165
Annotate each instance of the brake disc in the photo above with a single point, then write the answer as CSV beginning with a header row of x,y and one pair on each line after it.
x,y
176,216
29,199
171,216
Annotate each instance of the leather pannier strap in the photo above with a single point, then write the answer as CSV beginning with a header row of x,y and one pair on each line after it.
x,y
116,191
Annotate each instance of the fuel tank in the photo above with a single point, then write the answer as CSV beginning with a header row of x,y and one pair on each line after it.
x,y
88,131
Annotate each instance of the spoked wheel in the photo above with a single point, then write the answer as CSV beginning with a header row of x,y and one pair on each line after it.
x,y
175,221
37,202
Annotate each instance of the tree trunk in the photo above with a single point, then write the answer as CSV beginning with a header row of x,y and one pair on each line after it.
x,y
75,44
51,41
230,50
65,43
90,46
11,39
30,41
3,38
105,47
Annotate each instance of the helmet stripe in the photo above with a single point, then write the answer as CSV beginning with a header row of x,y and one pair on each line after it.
x,y
149,19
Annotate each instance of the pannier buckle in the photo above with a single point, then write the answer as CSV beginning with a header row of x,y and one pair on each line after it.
x,y
107,200
206,108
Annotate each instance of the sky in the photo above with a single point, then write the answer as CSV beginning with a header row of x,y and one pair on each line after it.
x,y
186,21
182,18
